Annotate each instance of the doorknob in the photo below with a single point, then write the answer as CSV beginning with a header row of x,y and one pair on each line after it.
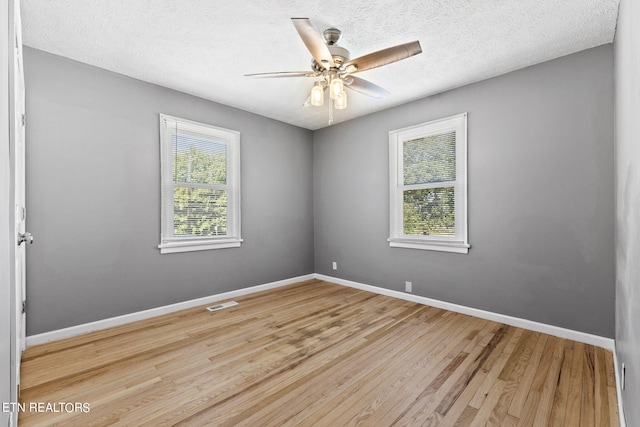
x,y
25,237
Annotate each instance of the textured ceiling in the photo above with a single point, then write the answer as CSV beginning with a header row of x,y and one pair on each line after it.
x,y
204,47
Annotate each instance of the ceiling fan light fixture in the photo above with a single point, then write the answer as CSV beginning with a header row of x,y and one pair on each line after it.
x,y
334,65
317,94
336,87
341,101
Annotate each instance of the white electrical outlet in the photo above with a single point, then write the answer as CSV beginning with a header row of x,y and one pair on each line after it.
x,y
335,265
408,287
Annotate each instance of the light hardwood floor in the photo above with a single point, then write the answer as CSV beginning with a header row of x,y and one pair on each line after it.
x,y
316,353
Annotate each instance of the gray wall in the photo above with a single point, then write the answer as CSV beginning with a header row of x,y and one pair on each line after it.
x,y
627,64
541,197
93,194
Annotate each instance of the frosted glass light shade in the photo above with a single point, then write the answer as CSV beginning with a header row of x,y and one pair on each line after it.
x,y
341,101
336,87
317,95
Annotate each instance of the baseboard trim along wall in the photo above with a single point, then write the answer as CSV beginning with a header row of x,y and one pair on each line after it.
x,y
582,337
596,340
146,314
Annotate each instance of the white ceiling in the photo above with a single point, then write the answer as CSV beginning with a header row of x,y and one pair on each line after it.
x,y
204,47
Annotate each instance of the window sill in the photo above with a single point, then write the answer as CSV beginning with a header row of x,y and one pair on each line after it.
x,y
455,247
175,247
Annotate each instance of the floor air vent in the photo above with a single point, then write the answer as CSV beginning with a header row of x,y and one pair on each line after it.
x,y
221,306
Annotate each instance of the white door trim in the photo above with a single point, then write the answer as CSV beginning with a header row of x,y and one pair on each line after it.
x,y
8,368
13,198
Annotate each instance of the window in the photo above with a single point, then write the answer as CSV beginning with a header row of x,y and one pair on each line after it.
x,y
200,186
428,186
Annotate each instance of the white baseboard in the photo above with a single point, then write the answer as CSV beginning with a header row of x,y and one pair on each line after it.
x,y
607,343
146,314
596,340
616,367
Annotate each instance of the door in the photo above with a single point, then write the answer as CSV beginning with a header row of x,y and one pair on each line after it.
x,y
17,158
6,218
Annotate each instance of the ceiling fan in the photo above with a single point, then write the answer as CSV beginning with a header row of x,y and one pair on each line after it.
x,y
333,65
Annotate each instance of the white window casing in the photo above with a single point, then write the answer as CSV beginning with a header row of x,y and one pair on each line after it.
x,y
200,186
450,186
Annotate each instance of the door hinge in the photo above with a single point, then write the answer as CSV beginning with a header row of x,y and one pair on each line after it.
x,y
24,120
24,306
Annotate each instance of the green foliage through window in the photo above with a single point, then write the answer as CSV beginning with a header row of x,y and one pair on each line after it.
x,y
198,159
199,211
429,211
430,159
427,160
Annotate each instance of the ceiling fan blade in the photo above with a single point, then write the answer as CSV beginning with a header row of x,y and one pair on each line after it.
x,y
314,42
283,74
384,56
365,87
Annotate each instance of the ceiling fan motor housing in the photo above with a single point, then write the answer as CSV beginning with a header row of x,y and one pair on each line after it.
x,y
340,55
332,36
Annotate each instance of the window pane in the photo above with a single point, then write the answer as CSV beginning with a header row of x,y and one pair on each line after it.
x,y
199,212
198,159
430,159
429,211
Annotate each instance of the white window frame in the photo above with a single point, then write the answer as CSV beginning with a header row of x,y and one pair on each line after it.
x,y
398,239
231,138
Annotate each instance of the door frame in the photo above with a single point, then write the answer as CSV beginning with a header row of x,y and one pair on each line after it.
x,y
17,115
11,325
6,220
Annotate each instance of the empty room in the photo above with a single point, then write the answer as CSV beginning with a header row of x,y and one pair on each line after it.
x,y
419,213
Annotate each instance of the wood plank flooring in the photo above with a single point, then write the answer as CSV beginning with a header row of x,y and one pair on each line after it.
x,y
319,354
